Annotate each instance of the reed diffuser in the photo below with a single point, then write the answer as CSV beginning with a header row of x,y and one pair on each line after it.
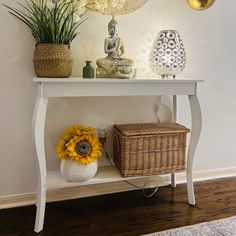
x,y
88,70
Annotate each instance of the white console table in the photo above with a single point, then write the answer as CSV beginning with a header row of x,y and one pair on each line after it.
x,y
78,87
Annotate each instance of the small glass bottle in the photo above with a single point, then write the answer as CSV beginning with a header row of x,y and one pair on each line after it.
x,y
102,134
88,70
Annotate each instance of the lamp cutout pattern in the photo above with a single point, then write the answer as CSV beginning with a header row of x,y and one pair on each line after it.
x,y
167,57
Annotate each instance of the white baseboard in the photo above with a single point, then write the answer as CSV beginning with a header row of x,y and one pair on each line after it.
x,y
26,199
204,175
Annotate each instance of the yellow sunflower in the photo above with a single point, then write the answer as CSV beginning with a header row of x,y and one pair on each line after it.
x,y
78,130
79,143
61,149
84,149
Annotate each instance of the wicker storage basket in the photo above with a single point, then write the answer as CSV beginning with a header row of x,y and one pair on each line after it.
x,y
150,148
53,60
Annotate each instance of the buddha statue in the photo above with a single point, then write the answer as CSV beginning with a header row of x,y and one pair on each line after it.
x,y
114,65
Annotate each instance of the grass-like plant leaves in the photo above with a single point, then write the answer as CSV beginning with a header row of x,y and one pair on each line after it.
x,y
54,24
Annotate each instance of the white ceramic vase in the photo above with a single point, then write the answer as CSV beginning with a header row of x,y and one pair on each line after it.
x,y
74,172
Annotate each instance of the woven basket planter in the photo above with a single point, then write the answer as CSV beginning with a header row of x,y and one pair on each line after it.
x,y
53,60
150,149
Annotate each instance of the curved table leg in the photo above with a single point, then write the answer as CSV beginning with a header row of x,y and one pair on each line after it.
x,y
38,132
174,119
195,134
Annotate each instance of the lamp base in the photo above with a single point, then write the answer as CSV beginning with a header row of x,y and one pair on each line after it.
x,y
167,76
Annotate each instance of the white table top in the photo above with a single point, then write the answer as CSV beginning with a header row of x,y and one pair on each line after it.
x,y
105,80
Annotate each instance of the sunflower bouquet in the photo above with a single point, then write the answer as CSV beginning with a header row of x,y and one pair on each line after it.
x,y
80,144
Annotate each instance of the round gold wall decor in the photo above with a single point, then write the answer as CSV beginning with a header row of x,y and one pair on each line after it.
x,y
115,7
200,4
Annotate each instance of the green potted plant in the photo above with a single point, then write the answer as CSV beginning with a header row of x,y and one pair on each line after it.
x,y
54,25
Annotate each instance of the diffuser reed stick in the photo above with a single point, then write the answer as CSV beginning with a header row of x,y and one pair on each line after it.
x,y
88,70
88,50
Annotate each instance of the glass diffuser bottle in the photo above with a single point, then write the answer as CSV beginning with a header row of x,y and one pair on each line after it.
x,y
88,70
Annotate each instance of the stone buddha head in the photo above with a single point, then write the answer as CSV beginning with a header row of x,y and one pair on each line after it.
x,y
113,27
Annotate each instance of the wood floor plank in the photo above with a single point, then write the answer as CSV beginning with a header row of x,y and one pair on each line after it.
x,y
126,214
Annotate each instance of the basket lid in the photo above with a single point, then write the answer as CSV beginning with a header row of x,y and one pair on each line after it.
x,y
150,128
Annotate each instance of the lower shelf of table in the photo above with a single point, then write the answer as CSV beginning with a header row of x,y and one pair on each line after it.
x,y
105,174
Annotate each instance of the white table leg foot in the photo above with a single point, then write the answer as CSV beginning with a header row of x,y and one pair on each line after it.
x,y
173,181
41,203
195,134
191,195
38,132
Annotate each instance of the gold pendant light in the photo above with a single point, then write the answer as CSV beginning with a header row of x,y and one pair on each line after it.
x,y
115,7
200,4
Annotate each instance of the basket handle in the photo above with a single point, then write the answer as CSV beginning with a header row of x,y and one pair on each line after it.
x,y
117,143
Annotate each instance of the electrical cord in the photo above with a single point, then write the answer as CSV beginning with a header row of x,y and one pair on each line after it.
x,y
157,108
143,188
147,180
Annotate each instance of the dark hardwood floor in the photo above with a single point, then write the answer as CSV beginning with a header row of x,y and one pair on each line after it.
x,y
126,213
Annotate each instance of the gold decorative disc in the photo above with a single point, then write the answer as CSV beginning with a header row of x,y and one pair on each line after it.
x,y
200,4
